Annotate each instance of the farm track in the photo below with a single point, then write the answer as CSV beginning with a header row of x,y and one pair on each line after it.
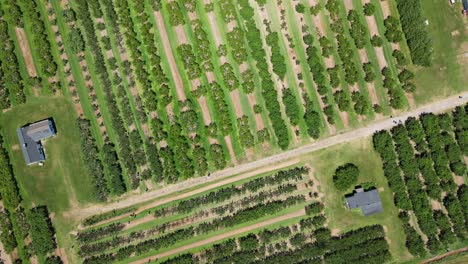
x,y
261,165
223,236
448,254
26,51
170,56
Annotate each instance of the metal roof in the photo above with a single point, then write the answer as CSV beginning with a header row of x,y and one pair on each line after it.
x,y
368,201
30,137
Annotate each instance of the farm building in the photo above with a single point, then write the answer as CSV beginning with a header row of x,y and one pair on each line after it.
x,y
30,137
368,201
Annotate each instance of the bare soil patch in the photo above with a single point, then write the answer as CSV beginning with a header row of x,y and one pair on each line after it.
x,y
180,32
348,5
170,57
26,51
237,103
146,130
205,111
195,83
319,24
214,28
230,149
380,57
210,76
372,93
223,236
436,205
385,8
458,180
231,25
411,101
345,118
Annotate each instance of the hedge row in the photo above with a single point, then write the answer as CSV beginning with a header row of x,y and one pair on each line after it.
x,y
417,36
37,28
269,92
12,84
92,159
125,153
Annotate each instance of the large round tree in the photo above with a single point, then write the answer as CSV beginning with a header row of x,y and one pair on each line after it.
x,y
345,176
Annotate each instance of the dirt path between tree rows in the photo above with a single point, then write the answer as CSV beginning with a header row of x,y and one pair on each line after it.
x,y
267,163
205,111
170,56
448,254
26,51
222,236
235,97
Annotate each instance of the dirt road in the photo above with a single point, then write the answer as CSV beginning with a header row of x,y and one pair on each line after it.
x,y
368,130
222,236
448,254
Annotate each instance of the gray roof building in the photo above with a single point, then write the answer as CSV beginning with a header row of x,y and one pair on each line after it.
x,y
368,201
30,137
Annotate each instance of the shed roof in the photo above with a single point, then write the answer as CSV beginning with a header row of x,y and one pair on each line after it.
x,y
30,137
368,201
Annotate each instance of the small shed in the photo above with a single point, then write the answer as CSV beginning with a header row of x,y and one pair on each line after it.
x,y
30,137
368,201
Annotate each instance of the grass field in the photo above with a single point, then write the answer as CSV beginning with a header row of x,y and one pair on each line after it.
x,y
449,36
341,219
63,180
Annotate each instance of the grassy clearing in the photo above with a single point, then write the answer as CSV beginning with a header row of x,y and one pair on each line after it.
x,y
446,76
63,180
369,163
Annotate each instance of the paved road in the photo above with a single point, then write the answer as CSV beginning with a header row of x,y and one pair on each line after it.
x,y
368,130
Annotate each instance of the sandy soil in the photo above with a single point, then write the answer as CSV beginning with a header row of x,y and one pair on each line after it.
x,y
180,32
204,108
231,25
268,163
195,83
146,130
223,236
380,57
210,76
411,101
458,180
237,103
319,24
348,5
230,149
62,254
4,256
258,117
372,93
214,28
243,67
170,57
385,8
26,51
436,205
345,118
